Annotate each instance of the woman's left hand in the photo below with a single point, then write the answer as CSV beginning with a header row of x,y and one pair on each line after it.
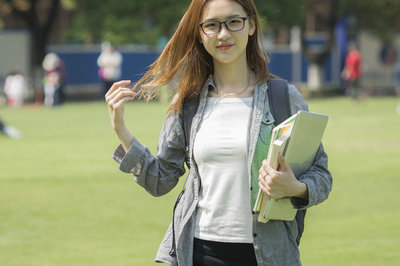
x,y
280,183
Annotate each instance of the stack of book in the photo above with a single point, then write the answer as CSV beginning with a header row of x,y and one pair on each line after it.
x,y
297,139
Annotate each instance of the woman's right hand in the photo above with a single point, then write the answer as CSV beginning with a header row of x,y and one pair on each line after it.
x,y
116,97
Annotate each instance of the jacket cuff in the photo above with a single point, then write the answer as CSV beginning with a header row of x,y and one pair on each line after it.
x,y
299,203
133,160
119,154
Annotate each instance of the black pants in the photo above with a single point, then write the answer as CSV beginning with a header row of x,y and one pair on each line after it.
x,y
210,253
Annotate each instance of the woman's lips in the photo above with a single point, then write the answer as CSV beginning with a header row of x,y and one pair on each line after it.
x,y
224,46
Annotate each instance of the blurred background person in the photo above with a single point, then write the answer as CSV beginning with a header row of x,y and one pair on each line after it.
x,y
352,71
54,79
109,63
15,89
9,131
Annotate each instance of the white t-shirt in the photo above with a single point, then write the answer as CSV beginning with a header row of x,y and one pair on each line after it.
x,y
220,150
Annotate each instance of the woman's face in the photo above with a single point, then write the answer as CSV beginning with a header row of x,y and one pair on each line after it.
x,y
225,46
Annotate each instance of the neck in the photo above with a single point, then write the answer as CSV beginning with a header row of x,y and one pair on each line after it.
x,y
234,79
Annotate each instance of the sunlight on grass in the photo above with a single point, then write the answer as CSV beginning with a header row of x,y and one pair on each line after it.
x,y
63,200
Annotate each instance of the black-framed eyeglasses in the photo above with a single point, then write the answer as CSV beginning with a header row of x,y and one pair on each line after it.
x,y
232,24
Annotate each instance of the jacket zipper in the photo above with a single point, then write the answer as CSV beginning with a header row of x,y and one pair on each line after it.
x,y
172,252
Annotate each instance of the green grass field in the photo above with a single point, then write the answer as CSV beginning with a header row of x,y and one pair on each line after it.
x,y
63,200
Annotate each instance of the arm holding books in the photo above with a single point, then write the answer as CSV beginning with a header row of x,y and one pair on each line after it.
x,y
318,178
300,178
281,183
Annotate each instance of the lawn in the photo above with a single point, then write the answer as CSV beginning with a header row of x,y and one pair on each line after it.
x,y
63,200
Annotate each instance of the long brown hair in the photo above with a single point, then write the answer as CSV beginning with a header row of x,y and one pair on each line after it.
x,y
184,57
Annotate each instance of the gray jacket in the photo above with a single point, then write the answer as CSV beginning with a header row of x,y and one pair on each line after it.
x,y
275,241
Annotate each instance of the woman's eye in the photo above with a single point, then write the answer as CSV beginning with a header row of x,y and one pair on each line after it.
x,y
234,22
210,25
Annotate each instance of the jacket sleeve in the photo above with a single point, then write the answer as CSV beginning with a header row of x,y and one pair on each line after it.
x,y
157,174
318,178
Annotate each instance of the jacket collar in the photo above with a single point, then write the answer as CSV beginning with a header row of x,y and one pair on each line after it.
x,y
209,85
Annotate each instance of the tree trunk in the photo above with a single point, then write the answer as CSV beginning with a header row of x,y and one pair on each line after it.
x,y
39,29
317,38
38,52
38,47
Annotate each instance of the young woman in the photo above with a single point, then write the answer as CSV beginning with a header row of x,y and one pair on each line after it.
x,y
215,54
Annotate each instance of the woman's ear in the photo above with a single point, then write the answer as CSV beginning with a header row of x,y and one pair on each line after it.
x,y
252,26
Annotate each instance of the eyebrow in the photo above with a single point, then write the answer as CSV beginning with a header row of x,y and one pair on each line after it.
x,y
226,18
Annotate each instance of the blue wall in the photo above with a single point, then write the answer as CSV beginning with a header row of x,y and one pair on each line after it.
x,y
281,65
82,69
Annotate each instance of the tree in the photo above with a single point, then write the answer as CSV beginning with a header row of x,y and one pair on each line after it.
x,y
380,17
318,23
148,22
318,18
37,16
128,22
276,14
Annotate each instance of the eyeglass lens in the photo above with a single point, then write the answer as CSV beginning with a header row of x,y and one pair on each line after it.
x,y
213,27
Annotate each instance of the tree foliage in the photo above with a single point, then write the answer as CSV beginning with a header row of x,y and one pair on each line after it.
x,y
381,17
145,22
121,22
276,13
149,22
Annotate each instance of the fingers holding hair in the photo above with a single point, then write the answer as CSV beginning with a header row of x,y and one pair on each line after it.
x,y
118,94
117,85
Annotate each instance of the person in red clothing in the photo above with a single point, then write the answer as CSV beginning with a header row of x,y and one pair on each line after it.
x,y
352,71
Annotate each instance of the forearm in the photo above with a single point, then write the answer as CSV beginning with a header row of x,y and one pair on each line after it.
x,y
300,190
318,179
124,136
157,174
